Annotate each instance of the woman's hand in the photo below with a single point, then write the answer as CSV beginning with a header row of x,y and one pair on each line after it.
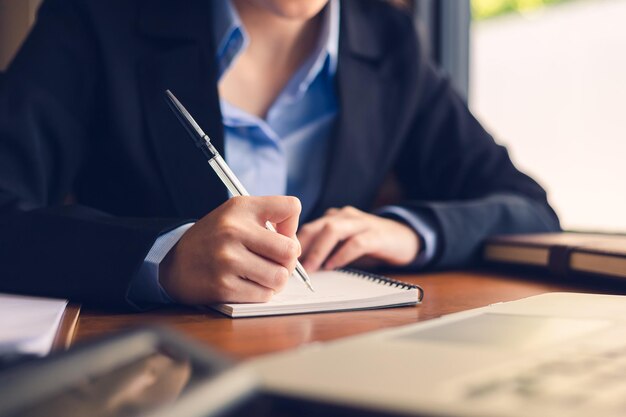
x,y
229,255
346,235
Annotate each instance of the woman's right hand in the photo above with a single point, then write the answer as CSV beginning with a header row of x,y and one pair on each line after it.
x,y
229,255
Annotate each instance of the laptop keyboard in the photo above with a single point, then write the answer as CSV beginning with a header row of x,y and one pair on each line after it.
x,y
587,377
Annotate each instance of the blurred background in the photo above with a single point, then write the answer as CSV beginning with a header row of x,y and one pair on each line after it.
x,y
546,77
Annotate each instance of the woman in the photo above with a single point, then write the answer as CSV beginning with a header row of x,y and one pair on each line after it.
x,y
318,99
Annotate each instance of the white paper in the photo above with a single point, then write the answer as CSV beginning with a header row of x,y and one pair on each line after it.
x,y
29,324
334,290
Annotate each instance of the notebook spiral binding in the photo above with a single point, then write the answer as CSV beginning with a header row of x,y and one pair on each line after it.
x,y
385,281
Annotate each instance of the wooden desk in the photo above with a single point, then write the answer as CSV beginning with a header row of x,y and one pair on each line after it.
x,y
445,293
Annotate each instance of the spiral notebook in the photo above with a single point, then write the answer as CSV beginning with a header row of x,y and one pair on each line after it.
x,y
334,291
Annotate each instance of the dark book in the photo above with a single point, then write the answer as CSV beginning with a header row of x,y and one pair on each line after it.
x,y
562,253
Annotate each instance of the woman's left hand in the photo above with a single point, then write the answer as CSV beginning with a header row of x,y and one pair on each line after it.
x,y
345,235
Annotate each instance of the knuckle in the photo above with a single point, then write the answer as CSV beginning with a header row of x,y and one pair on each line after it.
x,y
224,290
349,210
228,230
291,266
225,257
359,242
237,201
291,249
294,203
331,229
280,277
306,229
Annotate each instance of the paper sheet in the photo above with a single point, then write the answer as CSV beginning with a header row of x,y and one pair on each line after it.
x,y
29,324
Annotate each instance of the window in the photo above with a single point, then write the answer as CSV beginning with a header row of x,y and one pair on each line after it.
x,y
548,79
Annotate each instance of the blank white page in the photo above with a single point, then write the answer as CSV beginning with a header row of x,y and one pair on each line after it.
x,y
334,286
334,290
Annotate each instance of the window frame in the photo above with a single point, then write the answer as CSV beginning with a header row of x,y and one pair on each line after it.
x,y
445,24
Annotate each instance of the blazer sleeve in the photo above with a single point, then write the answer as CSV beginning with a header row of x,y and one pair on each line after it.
x,y
457,177
47,105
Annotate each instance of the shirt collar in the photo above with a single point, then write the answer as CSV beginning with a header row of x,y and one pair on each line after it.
x,y
231,39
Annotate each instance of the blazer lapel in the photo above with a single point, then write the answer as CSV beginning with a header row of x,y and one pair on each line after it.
x,y
352,172
181,59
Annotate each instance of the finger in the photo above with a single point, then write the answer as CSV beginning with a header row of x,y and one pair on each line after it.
x,y
331,234
273,246
263,272
307,232
284,211
366,262
349,211
241,290
352,249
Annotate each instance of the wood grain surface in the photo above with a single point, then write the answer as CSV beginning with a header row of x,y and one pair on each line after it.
x,y
67,329
445,292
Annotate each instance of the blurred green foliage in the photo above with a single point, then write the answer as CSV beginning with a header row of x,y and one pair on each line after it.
x,y
484,9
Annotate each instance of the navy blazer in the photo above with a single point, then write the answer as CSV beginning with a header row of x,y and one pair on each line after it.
x,y
82,114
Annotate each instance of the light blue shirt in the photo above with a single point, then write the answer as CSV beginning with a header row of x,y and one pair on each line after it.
x,y
283,154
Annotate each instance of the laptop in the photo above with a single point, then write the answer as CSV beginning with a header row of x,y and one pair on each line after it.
x,y
556,354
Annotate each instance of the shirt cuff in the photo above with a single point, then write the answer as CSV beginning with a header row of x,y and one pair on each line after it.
x,y
145,290
422,226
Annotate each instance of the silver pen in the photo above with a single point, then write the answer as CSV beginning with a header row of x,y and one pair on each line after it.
x,y
218,164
